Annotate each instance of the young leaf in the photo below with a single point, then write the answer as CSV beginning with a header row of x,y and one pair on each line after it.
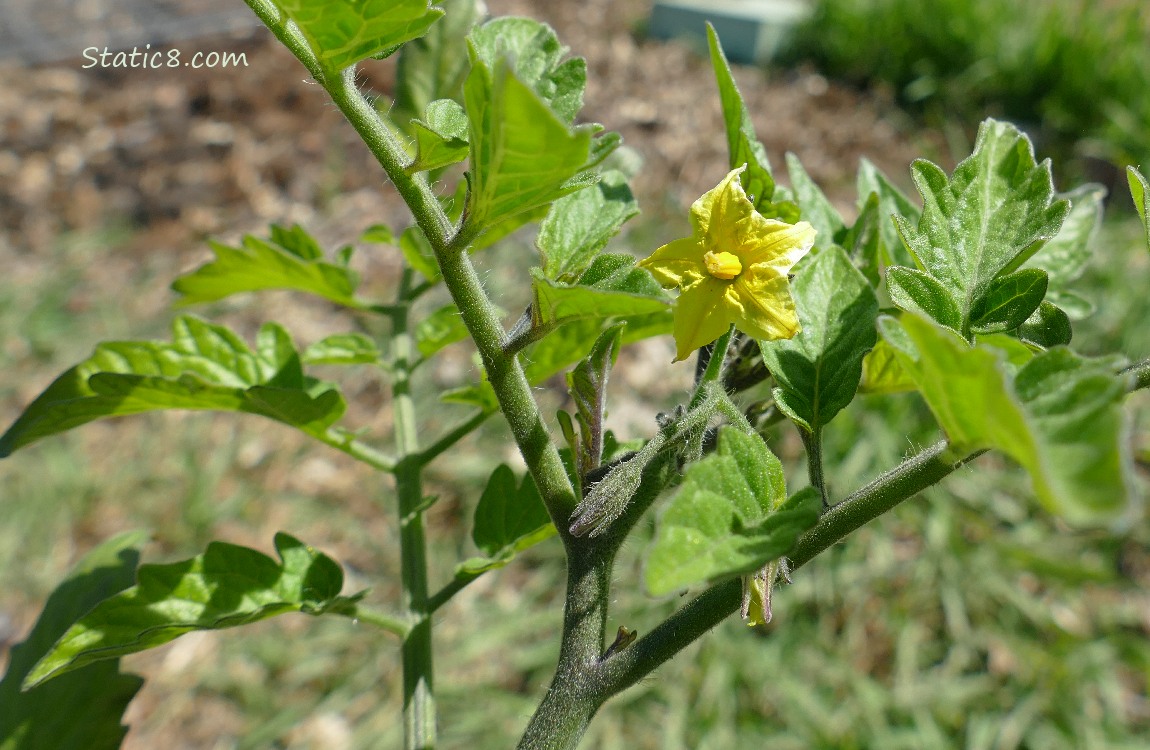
x,y
225,587
578,226
987,219
342,349
343,32
1059,416
587,384
891,202
730,516
418,253
510,518
434,66
1140,192
441,328
814,206
882,373
1048,326
818,370
95,696
1009,301
290,259
205,367
863,242
611,287
919,292
742,144
440,137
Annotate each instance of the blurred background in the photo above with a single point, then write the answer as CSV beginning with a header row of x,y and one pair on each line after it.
x,y
966,618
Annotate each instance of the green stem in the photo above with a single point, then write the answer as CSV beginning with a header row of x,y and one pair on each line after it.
x,y
450,589
1141,372
452,436
418,675
385,621
813,442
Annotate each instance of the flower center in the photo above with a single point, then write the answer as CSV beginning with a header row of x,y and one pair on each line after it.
x,y
722,265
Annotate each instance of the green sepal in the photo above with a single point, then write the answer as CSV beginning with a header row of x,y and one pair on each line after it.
x,y
225,587
730,516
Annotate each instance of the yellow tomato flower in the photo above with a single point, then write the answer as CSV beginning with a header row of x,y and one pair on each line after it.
x,y
732,270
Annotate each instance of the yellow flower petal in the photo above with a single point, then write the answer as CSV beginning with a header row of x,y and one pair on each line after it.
x,y
699,317
768,310
678,263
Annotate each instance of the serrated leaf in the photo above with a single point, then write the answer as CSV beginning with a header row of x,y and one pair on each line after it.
x,y
1048,326
509,518
919,292
343,32
435,65
440,137
613,286
987,219
225,587
290,259
587,384
814,206
442,328
730,516
578,226
891,202
342,349
1059,416
1140,192
818,370
205,367
1009,301
95,696
743,146
1064,257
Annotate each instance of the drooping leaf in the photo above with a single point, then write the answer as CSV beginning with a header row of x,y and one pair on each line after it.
x,y
1140,192
986,220
730,516
818,370
343,32
814,205
342,349
611,287
743,146
1058,415
290,259
1009,301
578,226
509,518
206,367
891,202
95,696
225,587
442,328
434,65
587,384
440,137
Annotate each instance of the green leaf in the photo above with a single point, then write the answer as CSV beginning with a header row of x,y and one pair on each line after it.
x,y
205,367
290,259
342,349
863,242
818,371
1058,416
730,516
987,219
225,587
1140,192
814,206
920,292
440,137
578,226
96,696
587,384
742,144
510,518
891,202
435,65
378,233
1064,258
611,287
441,328
1048,326
1009,301
882,373
343,32
418,253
